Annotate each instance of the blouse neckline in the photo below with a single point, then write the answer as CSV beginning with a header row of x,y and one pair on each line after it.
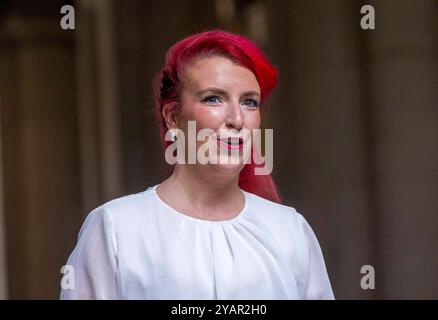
x,y
200,220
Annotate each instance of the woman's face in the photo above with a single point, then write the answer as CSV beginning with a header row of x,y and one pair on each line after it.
x,y
223,96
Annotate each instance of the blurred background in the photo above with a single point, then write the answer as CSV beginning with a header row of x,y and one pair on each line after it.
x,y
355,119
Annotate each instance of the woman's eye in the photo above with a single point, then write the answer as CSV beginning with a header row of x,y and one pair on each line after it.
x,y
211,99
251,103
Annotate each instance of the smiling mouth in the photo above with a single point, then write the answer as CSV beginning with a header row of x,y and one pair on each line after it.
x,y
231,143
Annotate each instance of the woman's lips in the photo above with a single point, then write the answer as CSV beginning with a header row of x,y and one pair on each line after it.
x,y
231,143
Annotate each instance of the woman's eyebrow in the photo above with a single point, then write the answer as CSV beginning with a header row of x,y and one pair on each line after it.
x,y
223,92
212,90
251,94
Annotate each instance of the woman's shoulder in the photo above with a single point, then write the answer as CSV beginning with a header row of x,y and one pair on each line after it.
x,y
125,208
274,211
129,201
288,226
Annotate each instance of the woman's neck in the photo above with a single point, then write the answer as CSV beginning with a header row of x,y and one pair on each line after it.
x,y
203,194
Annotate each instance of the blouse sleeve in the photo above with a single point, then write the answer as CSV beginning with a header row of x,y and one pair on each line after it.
x,y
93,260
318,283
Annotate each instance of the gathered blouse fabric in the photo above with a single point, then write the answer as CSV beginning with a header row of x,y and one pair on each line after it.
x,y
138,247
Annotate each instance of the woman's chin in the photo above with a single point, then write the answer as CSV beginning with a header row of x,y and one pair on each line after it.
x,y
228,168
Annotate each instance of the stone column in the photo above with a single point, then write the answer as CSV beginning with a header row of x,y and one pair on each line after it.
x,y
319,142
404,81
40,148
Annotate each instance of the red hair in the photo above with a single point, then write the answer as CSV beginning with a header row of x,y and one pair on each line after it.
x,y
238,49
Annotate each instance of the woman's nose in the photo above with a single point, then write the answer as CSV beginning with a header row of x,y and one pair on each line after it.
x,y
234,116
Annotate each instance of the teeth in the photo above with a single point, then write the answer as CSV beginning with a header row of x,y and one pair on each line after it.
x,y
232,141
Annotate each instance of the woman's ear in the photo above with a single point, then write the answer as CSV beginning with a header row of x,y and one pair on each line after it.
x,y
170,113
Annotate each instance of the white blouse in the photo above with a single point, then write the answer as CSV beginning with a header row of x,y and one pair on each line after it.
x,y
138,247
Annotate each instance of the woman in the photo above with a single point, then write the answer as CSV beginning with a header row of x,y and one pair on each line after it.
x,y
209,231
